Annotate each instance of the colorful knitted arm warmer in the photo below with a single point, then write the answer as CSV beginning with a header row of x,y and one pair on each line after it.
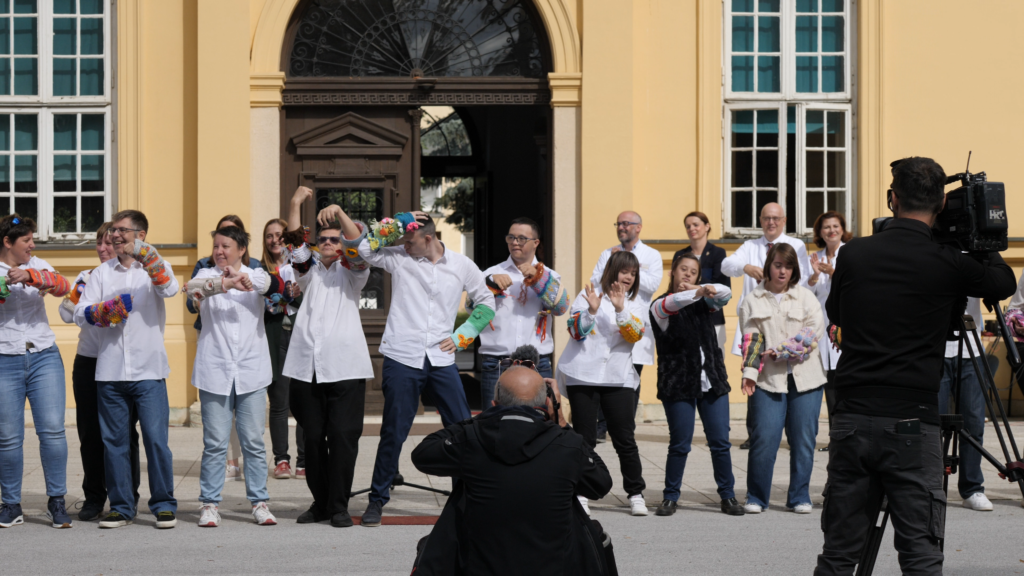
x,y
302,259
199,289
151,261
109,313
72,298
390,230
752,347
498,292
4,290
471,328
835,334
631,328
276,290
579,326
350,248
1015,322
48,282
549,289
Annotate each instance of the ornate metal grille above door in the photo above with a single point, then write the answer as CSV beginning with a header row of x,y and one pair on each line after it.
x,y
425,38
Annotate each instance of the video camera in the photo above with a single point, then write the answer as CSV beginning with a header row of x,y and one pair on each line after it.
x,y
974,218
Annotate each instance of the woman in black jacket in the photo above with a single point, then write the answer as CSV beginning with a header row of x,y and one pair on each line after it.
x,y
692,378
711,256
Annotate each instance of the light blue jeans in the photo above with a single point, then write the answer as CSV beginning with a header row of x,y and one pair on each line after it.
x,y
39,378
249,412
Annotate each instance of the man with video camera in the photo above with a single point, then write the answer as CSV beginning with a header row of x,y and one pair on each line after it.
x,y
894,296
514,509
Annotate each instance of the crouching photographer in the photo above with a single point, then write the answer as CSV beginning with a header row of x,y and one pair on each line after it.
x,y
514,509
894,295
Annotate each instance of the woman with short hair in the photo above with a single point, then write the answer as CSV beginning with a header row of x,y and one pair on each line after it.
x,y
781,324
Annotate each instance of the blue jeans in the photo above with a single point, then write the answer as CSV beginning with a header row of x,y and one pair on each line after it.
x,y
770,413
714,415
249,414
38,377
489,376
402,387
150,400
970,480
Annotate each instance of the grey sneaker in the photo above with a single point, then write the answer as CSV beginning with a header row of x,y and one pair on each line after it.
x,y
114,520
371,517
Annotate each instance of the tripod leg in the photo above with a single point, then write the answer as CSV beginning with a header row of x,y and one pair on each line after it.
x,y
874,539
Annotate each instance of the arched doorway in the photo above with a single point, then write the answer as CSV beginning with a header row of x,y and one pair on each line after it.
x,y
362,77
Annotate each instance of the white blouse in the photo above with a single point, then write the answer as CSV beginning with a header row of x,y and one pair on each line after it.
x,y
23,316
88,336
604,357
829,355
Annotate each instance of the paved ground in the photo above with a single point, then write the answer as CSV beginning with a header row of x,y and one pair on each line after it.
x,y
697,540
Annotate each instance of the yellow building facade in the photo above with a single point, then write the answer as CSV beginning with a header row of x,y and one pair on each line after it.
x,y
645,105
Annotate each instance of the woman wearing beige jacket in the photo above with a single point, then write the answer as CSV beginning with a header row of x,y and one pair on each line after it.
x,y
782,325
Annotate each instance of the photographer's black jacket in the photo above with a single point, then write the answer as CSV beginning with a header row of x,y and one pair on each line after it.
x,y
515,510
893,295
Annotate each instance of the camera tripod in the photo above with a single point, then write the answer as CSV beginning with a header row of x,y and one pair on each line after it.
x,y
399,480
953,431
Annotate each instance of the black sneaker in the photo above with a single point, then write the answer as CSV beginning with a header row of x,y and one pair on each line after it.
x,y
10,515
57,513
90,511
745,445
372,515
731,507
341,520
823,448
312,516
602,438
165,520
667,508
114,520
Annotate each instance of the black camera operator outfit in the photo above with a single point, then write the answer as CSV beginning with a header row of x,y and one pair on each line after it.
x,y
894,296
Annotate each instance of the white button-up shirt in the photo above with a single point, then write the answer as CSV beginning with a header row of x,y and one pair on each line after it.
x,y
974,309
829,355
133,350
232,348
23,316
604,357
88,336
327,339
425,299
650,280
515,324
755,252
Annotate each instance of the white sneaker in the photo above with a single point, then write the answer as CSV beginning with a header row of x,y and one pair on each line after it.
x,y
233,474
637,505
750,508
262,515
209,516
801,508
978,501
585,503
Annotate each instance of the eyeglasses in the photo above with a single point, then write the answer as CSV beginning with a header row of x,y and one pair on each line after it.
x,y
510,239
124,230
626,224
772,218
506,363
328,239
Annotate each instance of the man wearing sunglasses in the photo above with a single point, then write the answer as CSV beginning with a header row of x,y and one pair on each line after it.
x,y
527,294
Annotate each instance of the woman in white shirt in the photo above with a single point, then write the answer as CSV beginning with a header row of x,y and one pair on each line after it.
x,y
830,235
232,371
596,368
30,369
781,323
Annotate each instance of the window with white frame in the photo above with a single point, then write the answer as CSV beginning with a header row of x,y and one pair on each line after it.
x,y
788,110
55,118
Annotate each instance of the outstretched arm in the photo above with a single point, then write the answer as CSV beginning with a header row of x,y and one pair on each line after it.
x,y
158,269
48,282
301,195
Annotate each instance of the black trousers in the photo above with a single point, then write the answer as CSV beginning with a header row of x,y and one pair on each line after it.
x,y
602,424
278,393
866,460
620,412
331,415
83,384
830,393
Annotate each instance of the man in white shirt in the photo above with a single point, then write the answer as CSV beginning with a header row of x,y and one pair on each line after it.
x,y
628,226
419,343
748,262
328,362
527,294
125,296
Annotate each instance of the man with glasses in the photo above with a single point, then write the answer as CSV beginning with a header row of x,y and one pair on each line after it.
x,y
748,261
125,297
627,227
527,294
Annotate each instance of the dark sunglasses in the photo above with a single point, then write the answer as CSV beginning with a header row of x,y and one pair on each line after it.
x,y
328,239
506,363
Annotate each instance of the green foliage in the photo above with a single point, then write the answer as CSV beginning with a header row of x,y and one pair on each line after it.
x,y
458,205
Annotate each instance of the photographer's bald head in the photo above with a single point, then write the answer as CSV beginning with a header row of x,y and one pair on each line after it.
x,y
519,386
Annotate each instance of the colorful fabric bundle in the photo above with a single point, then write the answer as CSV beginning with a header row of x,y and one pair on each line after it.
x,y
577,329
110,313
48,282
548,288
350,248
4,290
389,231
752,347
151,261
632,329
798,348
835,334
498,292
471,328
1015,322
302,258
276,290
